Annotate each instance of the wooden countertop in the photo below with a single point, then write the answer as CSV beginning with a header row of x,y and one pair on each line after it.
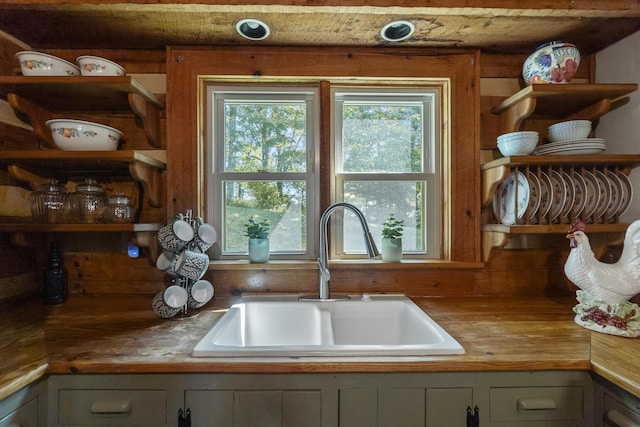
x,y
617,359
95,334
23,353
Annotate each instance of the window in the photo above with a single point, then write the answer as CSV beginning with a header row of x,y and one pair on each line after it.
x,y
263,158
387,161
192,74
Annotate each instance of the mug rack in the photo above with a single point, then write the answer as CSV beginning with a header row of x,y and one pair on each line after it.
x,y
188,278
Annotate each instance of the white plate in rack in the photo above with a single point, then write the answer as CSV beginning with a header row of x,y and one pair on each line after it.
x,y
546,197
592,195
534,197
580,193
616,195
627,192
511,200
605,196
570,193
558,194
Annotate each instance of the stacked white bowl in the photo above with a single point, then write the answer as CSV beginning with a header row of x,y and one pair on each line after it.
x,y
518,143
571,130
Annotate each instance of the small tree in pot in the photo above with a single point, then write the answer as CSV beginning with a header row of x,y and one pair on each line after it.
x,y
258,233
392,239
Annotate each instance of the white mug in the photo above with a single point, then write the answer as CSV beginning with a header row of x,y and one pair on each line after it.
x,y
167,262
160,307
205,237
191,264
176,236
175,296
200,293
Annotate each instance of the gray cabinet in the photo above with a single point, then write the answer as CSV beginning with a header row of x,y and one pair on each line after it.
x,y
615,407
112,400
514,399
408,407
245,408
25,408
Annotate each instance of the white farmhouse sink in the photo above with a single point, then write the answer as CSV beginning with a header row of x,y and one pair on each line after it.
x,y
376,325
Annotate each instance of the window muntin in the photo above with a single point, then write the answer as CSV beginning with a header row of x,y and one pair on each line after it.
x,y
264,158
386,145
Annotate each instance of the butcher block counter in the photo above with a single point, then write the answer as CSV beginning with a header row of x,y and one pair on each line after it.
x,y
97,334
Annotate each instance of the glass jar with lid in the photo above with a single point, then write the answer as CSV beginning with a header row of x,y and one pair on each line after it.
x,y
87,202
49,202
118,210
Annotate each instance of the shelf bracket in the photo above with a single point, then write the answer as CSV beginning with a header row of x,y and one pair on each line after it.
x,y
36,116
491,178
20,174
512,118
492,240
151,180
594,111
23,240
150,117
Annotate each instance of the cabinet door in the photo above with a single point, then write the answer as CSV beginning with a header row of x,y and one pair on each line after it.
x,y
406,407
25,416
254,408
447,407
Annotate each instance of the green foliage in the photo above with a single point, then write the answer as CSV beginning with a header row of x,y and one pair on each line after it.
x,y
265,136
257,230
392,228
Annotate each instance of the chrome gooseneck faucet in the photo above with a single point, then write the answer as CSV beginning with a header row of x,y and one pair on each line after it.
x,y
323,260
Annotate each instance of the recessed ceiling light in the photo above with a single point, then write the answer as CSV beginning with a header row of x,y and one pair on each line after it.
x,y
397,31
253,29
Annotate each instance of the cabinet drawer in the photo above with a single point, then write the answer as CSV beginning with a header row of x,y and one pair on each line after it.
x,y
24,416
617,413
536,403
112,407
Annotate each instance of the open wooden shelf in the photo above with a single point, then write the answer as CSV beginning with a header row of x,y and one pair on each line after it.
x,y
35,99
28,234
30,227
498,235
78,93
559,101
144,166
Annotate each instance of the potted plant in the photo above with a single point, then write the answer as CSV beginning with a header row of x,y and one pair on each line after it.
x,y
392,239
258,233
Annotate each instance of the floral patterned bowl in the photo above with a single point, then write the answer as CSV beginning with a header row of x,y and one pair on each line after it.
x,y
42,64
554,62
79,135
96,66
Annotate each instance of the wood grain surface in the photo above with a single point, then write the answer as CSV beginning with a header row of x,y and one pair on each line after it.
x,y
110,334
106,335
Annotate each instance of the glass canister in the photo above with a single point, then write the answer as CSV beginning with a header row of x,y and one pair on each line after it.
x,y
118,210
88,202
49,202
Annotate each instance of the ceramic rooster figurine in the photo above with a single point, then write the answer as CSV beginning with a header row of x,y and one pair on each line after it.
x,y
606,287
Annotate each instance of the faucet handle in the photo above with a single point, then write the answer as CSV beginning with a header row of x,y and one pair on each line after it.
x,y
324,271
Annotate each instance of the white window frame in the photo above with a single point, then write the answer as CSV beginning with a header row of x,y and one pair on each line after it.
x,y
431,99
216,94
